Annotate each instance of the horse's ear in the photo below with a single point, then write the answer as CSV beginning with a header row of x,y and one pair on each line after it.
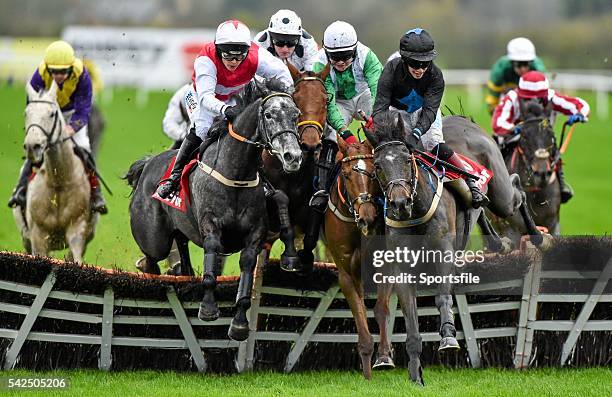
x,y
367,143
372,137
399,123
325,72
342,145
31,92
52,93
295,73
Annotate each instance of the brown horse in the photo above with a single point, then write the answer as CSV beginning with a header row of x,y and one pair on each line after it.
x,y
291,192
352,212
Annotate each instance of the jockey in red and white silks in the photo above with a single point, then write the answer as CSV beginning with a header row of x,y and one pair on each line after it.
x,y
223,68
214,83
535,85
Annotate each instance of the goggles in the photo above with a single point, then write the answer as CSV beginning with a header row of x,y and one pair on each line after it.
x,y
414,64
286,43
233,55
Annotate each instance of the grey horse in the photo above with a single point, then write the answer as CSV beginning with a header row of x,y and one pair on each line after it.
x,y
227,211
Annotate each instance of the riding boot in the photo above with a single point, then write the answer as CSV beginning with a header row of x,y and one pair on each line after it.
x,y
96,199
318,202
18,198
98,204
479,199
171,185
566,190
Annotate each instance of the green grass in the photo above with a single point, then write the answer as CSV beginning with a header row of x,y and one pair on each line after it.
x,y
134,130
438,382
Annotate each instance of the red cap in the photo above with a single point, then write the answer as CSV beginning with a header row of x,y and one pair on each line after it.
x,y
533,84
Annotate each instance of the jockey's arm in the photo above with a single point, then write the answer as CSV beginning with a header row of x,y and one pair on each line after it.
x,y
372,69
268,66
495,84
334,117
82,101
173,123
503,117
569,105
206,82
384,90
431,101
311,52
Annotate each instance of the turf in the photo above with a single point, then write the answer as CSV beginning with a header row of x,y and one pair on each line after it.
x,y
438,382
134,130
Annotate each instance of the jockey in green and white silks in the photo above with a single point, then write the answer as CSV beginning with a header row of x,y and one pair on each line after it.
x,y
351,86
520,58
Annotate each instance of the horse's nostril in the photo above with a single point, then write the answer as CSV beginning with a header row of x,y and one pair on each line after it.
x,y
289,157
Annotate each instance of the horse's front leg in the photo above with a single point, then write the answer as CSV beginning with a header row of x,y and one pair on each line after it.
x,y
209,310
384,354
289,260
76,237
444,300
40,240
239,327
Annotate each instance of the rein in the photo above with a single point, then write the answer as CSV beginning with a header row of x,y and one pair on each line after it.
x,y
362,197
48,135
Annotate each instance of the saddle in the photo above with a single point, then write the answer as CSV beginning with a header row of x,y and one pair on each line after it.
x,y
178,201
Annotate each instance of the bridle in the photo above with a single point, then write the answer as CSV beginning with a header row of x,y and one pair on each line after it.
x,y
304,124
48,134
540,154
262,127
410,187
363,197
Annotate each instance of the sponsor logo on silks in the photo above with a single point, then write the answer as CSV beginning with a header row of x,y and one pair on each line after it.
x,y
190,102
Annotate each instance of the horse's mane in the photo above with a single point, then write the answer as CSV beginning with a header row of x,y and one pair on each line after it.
x,y
247,100
386,125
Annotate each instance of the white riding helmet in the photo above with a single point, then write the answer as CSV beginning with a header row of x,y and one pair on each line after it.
x,y
285,22
340,36
521,49
233,32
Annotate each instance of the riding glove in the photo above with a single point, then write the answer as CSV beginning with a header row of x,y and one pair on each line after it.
x,y
575,118
231,112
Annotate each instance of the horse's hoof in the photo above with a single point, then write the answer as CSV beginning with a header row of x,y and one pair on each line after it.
x,y
290,263
208,312
306,261
416,373
506,246
383,363
238,332
448,343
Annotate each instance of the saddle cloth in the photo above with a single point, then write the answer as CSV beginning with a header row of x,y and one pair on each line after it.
x,y
470,166
178,201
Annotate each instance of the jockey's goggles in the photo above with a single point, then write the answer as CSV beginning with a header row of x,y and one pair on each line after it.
x,y
341,56
521,64
234,55
414,64
286,43
60,71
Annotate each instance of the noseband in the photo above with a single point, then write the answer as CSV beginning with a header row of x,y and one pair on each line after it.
x,y
408,187
310,123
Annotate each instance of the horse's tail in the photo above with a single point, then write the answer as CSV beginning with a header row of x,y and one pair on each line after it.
x,y
133,175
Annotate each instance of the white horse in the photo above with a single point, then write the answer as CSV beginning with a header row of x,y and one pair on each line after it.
x,y
57,213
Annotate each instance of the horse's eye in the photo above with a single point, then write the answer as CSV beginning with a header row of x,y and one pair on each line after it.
x,y
268,115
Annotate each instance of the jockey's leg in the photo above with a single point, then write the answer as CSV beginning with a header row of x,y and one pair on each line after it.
x,y
18,198
566,190
190,144
97,202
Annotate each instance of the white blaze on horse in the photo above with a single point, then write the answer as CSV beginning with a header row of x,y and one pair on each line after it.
x,y
57,213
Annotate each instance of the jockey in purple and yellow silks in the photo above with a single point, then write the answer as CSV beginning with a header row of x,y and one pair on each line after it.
x,y
74,97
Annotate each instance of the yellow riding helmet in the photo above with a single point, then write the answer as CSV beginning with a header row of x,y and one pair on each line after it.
x,y
59,55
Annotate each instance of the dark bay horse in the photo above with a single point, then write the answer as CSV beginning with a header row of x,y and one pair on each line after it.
x,y
410,195
533,158
290,192
353,212
508,200
227,200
